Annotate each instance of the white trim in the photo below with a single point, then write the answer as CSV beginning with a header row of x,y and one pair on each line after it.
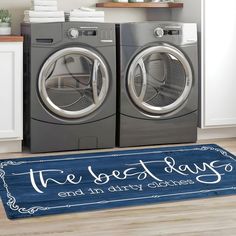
x,y
10,146
216,133
202,77
16,89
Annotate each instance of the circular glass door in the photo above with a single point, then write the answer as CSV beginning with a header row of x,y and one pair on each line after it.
x,y
73,82
159,79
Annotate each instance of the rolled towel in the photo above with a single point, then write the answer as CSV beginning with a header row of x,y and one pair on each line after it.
x,y
43,20
86,9
41,14
85,19
44,3
78,13
44,8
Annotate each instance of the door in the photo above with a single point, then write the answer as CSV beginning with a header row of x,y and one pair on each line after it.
x,y
73,82
218,65
159,80
11,94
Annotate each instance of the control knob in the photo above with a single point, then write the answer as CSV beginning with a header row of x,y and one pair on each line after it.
x,y
73,33
159,32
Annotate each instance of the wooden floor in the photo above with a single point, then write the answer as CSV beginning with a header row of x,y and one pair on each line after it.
x,y
210,217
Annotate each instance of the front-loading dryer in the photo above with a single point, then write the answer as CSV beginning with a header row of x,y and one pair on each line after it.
x,y
158,81
69,86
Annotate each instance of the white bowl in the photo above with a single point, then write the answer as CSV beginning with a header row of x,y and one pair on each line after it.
x,y
5,30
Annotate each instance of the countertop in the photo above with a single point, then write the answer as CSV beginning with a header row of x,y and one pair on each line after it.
x,y
11,38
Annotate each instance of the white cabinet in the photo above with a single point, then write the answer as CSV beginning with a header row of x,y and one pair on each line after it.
x,y
218,64
11,111
217,44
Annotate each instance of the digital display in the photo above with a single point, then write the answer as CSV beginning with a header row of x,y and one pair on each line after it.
x,y
173,32
89,32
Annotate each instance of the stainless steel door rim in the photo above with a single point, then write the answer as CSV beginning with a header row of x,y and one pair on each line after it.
x,y
98,98
138,61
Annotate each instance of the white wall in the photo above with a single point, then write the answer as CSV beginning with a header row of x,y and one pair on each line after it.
x,y
17,8
190,13
158,14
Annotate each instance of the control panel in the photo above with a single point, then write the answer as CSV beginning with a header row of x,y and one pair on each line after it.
x,y
160,32
75,33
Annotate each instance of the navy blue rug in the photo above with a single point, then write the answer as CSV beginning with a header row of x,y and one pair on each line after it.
x,y
84,182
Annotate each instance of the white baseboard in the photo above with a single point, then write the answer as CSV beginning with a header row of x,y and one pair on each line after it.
x,y
216,133
203,134
10,146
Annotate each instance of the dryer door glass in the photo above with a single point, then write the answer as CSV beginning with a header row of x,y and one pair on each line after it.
x,y
160,79
73,82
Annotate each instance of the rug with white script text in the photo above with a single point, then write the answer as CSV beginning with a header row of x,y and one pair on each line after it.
x,y
96,181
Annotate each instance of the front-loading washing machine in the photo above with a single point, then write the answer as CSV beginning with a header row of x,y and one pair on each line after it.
x,y
69,86
158,81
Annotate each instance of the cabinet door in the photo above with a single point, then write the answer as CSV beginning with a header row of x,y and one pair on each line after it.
x,y
219,64
11,90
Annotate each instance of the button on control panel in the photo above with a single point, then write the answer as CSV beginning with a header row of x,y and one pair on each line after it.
x,y
73,33
159,32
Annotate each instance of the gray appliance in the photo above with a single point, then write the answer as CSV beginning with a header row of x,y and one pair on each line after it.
x,y
69,86
158,71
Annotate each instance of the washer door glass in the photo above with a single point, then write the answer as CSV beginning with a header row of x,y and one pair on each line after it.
x,y
159,79
73,82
